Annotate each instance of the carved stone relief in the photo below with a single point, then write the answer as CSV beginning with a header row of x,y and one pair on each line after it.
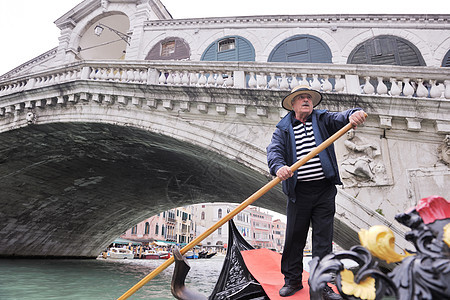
x,y
444,151
426,181
363,163
104,4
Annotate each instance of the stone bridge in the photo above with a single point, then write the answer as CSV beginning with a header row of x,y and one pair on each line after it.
x,y
109,128
91,148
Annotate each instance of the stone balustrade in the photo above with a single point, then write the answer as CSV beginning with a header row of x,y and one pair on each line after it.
x,y
395,81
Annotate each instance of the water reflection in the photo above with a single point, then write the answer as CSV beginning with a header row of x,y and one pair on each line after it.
x,y
98,279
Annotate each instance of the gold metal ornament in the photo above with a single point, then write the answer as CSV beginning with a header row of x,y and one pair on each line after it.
x,y
446,237
379,240
363,290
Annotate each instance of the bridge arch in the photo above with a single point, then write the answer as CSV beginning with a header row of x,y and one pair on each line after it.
x,y
101,178
106,45
442,53
86,22
100,163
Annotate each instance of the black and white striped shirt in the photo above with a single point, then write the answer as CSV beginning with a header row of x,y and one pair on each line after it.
x,y
305,142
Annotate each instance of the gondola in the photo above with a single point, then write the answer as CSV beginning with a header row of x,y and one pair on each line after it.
x,y
235,281
205,254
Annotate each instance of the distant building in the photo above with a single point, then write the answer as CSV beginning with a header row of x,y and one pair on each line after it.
x,y
208,214
172,226
183,224
261,229
278,231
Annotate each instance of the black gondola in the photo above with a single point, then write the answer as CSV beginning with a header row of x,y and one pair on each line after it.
x,y
235,282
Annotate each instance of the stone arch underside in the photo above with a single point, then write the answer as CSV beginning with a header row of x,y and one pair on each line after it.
x,y
69,189
74,187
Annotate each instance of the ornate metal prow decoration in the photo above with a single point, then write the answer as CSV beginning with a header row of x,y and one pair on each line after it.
x,y
424,274
179,290
235,281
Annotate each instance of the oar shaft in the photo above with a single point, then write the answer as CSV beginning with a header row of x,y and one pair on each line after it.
x,y
235,211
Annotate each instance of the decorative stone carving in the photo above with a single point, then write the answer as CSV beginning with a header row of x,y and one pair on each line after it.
x,y
413,124
444,151
31,117
368,87
386,122
185,106
104,4
221,109
362,164
241,110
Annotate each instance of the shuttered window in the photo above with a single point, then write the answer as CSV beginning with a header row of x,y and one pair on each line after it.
x,y
171,48
301,49
446,60
231,48
386,50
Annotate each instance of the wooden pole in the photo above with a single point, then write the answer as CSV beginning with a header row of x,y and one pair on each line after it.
x,y
235,211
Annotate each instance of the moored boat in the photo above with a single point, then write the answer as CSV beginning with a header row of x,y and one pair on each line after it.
x,y
206,254
120,253
153,254
164,254
191,255
150,254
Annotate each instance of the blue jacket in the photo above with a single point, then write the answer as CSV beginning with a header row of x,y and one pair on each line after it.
x,y
281,150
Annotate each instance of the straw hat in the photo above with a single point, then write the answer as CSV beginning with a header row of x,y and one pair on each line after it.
x,y
301,89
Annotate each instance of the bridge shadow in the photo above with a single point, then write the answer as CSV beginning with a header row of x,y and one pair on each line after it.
x,y
68,189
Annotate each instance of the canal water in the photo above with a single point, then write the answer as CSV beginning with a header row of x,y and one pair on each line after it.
x,y
99,279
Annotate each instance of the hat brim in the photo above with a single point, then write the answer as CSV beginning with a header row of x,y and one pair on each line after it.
x,y
316,98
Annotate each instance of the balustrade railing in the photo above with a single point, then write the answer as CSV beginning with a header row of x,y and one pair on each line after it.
x,y
395,81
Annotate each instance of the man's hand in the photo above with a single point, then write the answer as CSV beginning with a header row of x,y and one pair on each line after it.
x,y
284,173
357,118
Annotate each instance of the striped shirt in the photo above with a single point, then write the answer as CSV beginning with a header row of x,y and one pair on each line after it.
x,y
305,142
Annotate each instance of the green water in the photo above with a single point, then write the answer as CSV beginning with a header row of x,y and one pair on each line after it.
x,y
98,278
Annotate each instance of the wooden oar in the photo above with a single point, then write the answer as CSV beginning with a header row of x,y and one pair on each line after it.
x,y
237,210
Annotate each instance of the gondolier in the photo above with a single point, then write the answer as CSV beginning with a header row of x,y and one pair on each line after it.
x,y
311,189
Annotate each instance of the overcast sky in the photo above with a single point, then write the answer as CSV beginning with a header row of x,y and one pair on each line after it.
x,y
27,29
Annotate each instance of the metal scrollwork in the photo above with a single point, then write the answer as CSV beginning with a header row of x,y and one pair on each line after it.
x,y
422,274
355,286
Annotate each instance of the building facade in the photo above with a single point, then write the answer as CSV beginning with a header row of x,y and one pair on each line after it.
x,y
181,225
172,227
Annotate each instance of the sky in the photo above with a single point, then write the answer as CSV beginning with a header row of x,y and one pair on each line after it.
x,y
27,29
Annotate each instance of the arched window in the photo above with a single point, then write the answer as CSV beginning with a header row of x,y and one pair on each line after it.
x,y
301,49
163,230
156,229
203,215
147,228
386,50
171,48
104,44
446,60
134,229
230,48
219,213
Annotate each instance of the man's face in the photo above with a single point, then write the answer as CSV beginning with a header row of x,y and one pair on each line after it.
x,y
302,103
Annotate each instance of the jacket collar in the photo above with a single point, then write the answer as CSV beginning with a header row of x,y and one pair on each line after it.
x,y
286,122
